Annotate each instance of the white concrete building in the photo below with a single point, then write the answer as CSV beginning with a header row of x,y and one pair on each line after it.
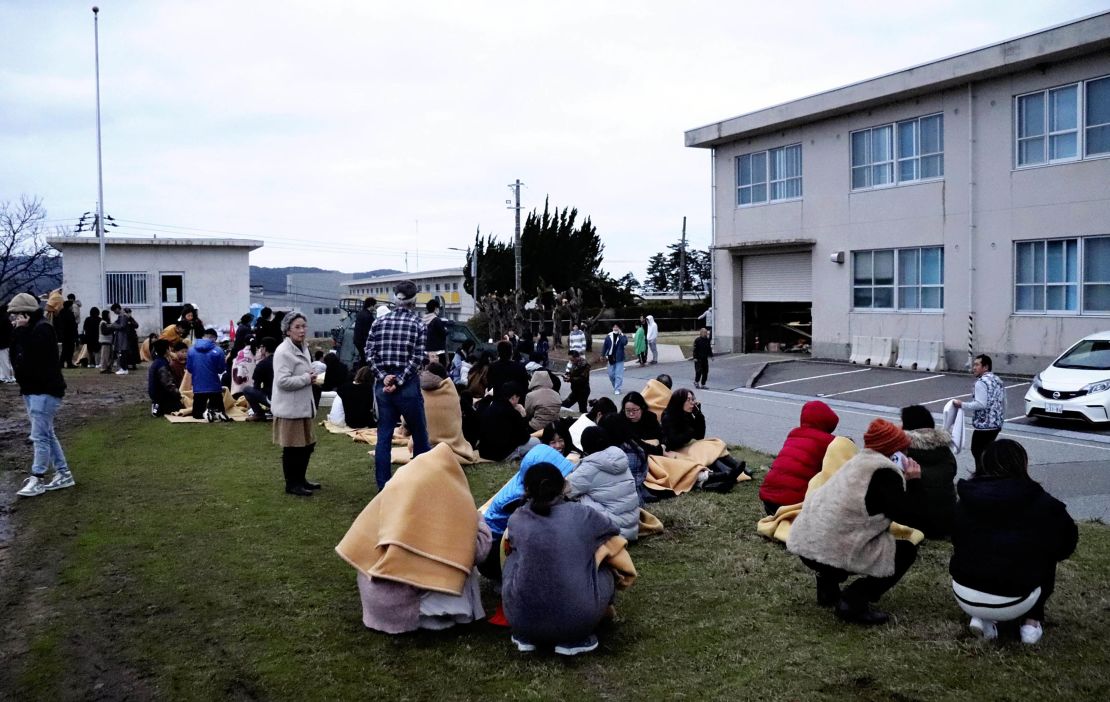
x,y
444,283
315,295
155,277
965,201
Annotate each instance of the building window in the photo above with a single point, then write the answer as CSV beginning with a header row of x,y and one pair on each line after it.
x,y
1063,124
903,152
1062,276
127,289
437,287
768,176
904,279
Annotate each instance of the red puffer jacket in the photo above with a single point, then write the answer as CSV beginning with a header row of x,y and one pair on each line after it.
x,y
801,455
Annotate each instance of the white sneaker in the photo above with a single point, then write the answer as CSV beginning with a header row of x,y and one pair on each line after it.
x,y
32,487
122,371
984,629
1031,633
62,479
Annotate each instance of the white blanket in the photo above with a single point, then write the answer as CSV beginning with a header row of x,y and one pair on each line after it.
x,y
954,425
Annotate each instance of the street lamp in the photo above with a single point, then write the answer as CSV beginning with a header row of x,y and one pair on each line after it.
x,y
473,270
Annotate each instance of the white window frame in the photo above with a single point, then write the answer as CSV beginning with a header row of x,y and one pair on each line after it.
x,y
1080,284
897,287
764,180
895,158
129,288
1047,133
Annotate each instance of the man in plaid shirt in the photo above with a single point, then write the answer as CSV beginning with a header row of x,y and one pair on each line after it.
x,y
395,355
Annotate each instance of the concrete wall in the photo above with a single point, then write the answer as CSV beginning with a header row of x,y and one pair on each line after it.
x,y
216,279
1070,199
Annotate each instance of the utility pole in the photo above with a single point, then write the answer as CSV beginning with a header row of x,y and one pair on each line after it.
x,y
516,236
99,164
682,262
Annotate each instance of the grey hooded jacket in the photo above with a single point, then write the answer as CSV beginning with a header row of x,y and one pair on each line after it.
x,y
603,481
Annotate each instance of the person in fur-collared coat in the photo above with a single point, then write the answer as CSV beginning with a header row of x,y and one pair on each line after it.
x,y
930,447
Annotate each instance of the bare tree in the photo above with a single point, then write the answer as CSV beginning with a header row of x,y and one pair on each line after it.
x,y
26,260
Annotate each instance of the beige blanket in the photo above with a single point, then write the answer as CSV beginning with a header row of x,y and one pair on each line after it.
x,y
420,529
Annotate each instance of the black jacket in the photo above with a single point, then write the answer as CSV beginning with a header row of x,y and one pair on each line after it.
x,y
91,329
437,335
502,430
1007,534
65,324
358,404
5,332
263,377
363,322
938,481
34,356
501,372
702,350
682,429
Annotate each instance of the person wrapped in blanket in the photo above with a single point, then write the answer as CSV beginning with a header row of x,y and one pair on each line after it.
x,y
683,425
554,592
415,545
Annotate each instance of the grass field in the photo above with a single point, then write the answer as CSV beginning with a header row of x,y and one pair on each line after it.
x,y
178,569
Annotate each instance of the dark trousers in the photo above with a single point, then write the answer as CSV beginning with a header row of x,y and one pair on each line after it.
x,y
491,566
701,370
1048,586
867,588
579,393
980,440
770,508
294,463
405,402
257,400
206,400
69,344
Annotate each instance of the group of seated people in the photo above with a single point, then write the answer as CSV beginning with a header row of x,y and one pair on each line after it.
x,y
581,482
848,512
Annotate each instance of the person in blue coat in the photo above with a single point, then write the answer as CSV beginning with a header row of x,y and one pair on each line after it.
x,y
510,497
206,364
613,350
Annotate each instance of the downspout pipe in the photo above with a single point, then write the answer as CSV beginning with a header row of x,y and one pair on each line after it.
x,y
970,225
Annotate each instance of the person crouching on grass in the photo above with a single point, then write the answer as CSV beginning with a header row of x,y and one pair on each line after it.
x,y
1008,536
206,364
844,528
165,398
34,357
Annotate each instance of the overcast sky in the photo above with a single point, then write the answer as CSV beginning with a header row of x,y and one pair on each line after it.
x,y
344,134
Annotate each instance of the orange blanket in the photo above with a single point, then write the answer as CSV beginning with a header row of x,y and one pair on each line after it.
x,y
656,395
420,529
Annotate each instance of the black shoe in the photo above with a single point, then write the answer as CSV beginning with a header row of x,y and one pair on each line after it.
x,y
860,613
828,593
298,490
720,482
312,486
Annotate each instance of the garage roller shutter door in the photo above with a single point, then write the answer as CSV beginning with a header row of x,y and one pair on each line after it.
x,y
777,278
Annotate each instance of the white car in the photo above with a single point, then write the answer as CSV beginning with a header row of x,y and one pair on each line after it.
x,y
1076,385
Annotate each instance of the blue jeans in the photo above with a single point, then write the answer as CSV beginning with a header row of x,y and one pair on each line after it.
x,y
405,402
616,375
41,409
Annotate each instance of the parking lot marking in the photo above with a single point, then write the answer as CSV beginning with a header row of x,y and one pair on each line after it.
x,y
887,385
814,377
966,394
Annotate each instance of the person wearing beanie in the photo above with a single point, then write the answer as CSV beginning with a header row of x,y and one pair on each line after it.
x,y
844,528
293,405
930,447
34,357
395,353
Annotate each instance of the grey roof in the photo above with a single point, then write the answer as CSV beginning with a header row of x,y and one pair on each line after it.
x,y
1079,37
58,242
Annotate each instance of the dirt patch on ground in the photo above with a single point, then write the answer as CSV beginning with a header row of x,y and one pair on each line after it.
x,y
90,395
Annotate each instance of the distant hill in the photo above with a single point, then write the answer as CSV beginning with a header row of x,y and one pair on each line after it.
x,y
274,278
50,279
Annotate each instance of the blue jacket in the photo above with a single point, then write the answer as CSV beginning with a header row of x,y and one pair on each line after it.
x,y
206,364
496,516
618,351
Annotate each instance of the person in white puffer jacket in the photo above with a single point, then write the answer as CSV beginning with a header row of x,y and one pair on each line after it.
x,y
604,481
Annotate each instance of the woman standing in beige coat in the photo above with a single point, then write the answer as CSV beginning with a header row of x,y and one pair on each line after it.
x,y
293,406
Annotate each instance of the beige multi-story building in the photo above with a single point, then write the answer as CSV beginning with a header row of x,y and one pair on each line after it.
x,y
966,201
446,284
